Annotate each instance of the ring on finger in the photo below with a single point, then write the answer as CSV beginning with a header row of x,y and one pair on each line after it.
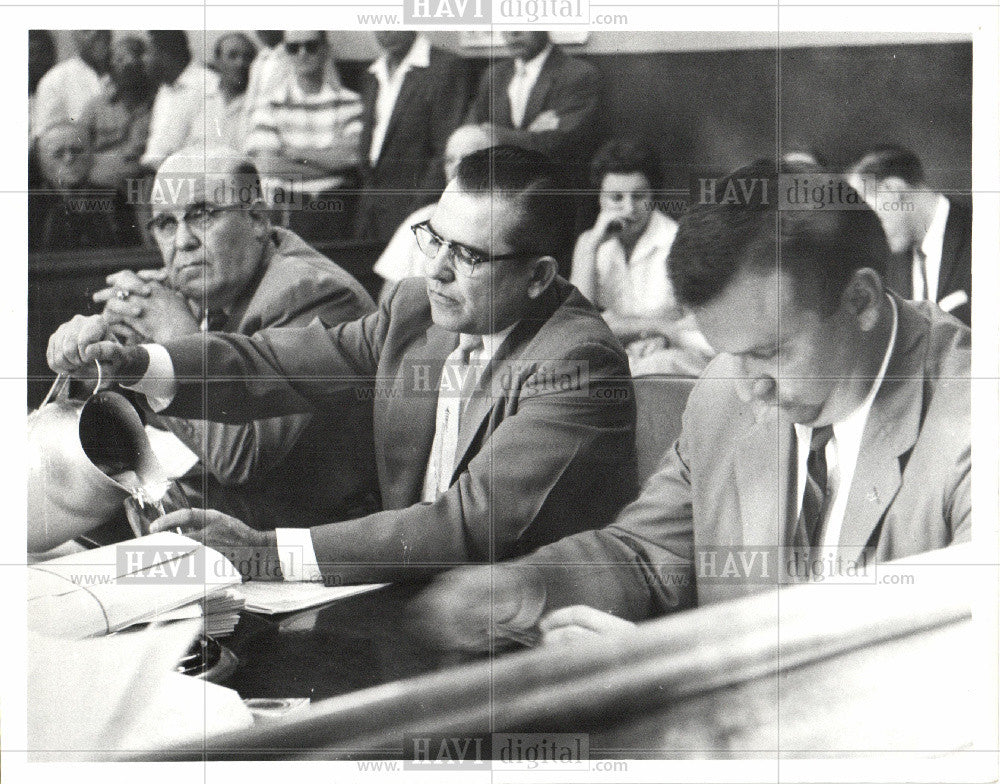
x,y
121,294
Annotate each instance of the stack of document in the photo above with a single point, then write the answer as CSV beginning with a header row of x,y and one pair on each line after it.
x,y
160,577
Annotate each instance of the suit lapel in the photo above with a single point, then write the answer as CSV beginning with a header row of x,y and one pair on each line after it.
x,y
407,90
540,90
485,395
891,431
955,233
411,416
763,483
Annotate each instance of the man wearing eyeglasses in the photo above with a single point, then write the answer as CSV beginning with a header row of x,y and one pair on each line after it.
x,y
226,268
504,412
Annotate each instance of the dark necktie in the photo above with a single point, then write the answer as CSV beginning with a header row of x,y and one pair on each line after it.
x,y
214,321
814,498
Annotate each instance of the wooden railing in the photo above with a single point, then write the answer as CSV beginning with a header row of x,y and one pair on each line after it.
x,y
814,668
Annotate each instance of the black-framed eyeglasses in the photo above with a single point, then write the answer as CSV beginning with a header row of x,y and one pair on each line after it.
x,y
197,218
463,258
309,47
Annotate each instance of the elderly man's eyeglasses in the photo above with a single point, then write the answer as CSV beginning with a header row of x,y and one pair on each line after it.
x,y
197,218
309,47
463,259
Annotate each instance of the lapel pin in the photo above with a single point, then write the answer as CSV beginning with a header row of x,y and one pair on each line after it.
x,y
873,495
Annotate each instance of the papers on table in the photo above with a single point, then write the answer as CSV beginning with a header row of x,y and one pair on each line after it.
x,y
139,581
271,598
119,693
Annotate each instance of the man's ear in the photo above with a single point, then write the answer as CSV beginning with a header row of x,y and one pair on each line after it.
x,y
543,272
862,297
261,220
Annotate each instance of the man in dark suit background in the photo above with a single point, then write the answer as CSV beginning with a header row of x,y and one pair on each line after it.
x,y
413,96
225,268
504,412
931,233
541,99
832,432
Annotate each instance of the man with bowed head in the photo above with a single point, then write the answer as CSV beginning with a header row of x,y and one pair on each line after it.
x,y
480,455
833,427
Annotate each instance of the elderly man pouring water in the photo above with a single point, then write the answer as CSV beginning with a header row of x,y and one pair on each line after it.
x,y
226,269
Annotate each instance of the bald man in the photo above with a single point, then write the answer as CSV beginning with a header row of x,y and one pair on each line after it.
x,y
225,268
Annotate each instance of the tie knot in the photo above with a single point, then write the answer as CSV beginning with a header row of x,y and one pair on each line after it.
x,y
820,438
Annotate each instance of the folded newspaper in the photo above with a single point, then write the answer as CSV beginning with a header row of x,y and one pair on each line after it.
x,y
160,577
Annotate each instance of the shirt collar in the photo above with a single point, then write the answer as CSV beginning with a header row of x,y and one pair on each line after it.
x,y
419,56
534,66
491,343
934,238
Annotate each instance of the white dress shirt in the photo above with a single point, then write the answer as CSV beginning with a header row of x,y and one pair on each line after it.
x,y
174,111
63,92
841,454
523,82
389,86
295,548
931,247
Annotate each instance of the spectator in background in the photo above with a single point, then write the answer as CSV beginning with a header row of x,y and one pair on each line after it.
x,y
413,97
184,87
270,68
932,233
221,118
66,212
620,264
402,257
306,138
116,122
65,89
541,99
41,57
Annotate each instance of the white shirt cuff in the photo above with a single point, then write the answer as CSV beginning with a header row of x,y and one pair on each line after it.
x,y
296,554
159,384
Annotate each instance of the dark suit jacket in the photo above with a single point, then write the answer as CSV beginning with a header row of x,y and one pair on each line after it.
x,y
298,470
567,86
956,263
727,485
409,171
538,458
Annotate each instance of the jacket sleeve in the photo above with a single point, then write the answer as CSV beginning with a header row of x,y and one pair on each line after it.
x,y
559,438
238,453
231,378
639,566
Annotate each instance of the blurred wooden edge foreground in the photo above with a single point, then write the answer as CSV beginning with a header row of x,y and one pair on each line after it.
x,y
810,669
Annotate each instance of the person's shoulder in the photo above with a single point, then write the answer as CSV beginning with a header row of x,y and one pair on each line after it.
x,y
59,73
570,65
947,349
297,270
571,326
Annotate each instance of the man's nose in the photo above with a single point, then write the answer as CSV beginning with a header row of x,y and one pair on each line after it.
x,y
439,267
185,238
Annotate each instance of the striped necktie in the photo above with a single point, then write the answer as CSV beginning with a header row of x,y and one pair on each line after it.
x,y
814,499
